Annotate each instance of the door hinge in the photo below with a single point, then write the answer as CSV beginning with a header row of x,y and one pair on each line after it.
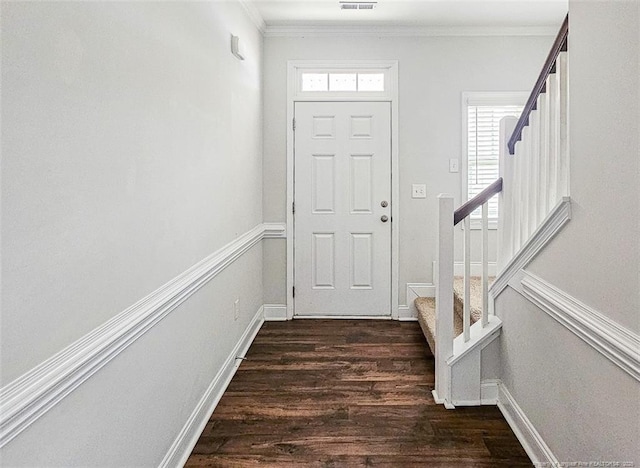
x,y
293,207
294,291
294,124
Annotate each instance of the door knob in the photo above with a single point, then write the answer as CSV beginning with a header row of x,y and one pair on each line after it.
x,y
384,218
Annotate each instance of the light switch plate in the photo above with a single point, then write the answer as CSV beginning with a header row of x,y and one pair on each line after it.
x,y
454,165
418,191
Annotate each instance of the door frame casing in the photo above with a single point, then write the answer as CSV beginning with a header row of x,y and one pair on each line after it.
x,y
391,96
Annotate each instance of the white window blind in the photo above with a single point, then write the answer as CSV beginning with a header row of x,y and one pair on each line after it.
x,y
483,146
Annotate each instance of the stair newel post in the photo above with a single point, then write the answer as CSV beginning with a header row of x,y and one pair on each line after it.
x,y
506,219
444,296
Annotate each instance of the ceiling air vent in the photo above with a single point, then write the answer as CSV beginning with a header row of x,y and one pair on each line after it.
x,y
357,5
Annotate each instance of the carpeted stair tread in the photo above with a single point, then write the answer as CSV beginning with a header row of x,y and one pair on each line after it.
x,y
476,296
426,307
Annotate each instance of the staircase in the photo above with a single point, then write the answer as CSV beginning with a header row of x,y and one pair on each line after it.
x,y
533,187
426,307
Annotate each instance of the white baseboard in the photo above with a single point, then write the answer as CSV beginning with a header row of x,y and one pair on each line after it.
x,y
493,392
408,312
342,317
26,399
529,438
188,437
489,391
275,312
488,395
441,401
476,269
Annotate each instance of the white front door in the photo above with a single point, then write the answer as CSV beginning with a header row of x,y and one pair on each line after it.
x,y
342,220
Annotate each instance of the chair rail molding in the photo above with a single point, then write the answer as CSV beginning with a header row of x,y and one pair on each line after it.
x,y
618,344
30,396
274,230
551,225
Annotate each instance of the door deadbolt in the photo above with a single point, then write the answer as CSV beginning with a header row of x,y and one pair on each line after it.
x,y
384,218
384,204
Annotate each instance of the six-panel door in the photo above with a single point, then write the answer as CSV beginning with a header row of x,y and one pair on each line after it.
x,y
342,208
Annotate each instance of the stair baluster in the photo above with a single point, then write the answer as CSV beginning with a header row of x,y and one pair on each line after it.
x,y
466,311
485,264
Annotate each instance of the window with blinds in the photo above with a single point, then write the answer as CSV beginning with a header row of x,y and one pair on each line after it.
x,y
483,146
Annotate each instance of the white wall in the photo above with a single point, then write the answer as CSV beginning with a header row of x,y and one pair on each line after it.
x,y
597,256
434,71
131,149
583,406
132,410
586,408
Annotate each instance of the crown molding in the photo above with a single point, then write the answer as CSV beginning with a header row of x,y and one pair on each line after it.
x,y
254,15
402,31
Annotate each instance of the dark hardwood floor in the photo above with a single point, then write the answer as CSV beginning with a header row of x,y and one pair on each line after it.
x,y
333,393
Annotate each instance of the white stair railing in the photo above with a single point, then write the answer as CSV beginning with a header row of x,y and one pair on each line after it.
x,y
534,163
534,168
447,219
463,214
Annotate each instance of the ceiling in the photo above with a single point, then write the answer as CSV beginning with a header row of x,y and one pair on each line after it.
x,y
415,13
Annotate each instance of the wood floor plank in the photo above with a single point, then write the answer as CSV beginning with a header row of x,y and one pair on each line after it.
x,y
347,393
